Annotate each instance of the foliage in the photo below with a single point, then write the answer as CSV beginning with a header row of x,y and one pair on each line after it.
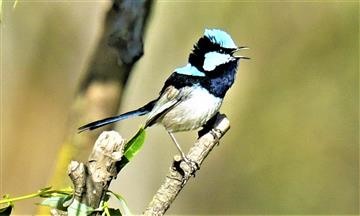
x,y
47,192
43,193
59,198
122,202
7,208
79,209
135,144
132,147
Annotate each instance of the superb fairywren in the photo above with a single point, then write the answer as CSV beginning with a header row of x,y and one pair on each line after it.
x,y
194,93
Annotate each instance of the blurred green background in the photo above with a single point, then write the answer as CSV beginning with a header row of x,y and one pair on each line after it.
x,y
293,147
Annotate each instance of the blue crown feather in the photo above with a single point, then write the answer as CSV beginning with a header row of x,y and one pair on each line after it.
x,y
220,37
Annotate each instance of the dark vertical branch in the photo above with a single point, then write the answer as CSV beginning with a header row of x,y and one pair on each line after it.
x,y
121,44
100,92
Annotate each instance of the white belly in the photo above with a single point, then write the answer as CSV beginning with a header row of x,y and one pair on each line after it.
x,y
191,113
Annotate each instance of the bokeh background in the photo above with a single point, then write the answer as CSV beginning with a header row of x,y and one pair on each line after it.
x,y
293,147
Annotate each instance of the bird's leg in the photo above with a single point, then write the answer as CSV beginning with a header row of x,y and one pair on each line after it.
x,y
193,165
177,145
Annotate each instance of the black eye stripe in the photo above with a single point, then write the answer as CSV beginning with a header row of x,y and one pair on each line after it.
x,y
203,46
207,45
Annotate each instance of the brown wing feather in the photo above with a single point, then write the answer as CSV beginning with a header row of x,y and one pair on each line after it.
x,y
169,98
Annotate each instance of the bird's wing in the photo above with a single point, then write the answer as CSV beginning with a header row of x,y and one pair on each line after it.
x,y
169,98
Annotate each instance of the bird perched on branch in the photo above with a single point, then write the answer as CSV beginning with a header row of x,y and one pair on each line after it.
x,y
194,93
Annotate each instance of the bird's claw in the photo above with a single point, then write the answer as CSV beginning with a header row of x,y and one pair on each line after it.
x,y
194,166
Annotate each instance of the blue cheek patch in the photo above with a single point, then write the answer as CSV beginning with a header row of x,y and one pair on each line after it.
x,y
189,70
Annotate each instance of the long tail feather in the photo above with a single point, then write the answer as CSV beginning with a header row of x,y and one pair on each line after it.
x,y
139,112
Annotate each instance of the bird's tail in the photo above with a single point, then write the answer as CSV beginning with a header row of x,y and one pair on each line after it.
x,y
138,112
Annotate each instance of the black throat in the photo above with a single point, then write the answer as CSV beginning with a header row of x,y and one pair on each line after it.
x,y
217,82
221,79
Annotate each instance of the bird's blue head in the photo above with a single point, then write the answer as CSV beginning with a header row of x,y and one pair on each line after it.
x,y
213,52
213,59
220,38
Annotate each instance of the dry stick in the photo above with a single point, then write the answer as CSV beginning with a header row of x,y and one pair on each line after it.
x,y
91,181
180,172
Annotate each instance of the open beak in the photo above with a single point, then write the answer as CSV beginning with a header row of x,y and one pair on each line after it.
x,y
241,48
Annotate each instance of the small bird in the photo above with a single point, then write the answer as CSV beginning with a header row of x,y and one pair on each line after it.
x,y
193,93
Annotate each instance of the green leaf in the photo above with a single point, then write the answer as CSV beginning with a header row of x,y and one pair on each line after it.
x,y
45,189
79,209
123,204
43,192
135,144
131,148
65,191
56,202
6,210
114,212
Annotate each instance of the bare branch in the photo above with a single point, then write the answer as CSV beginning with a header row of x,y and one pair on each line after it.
x,y
91,181
180,171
